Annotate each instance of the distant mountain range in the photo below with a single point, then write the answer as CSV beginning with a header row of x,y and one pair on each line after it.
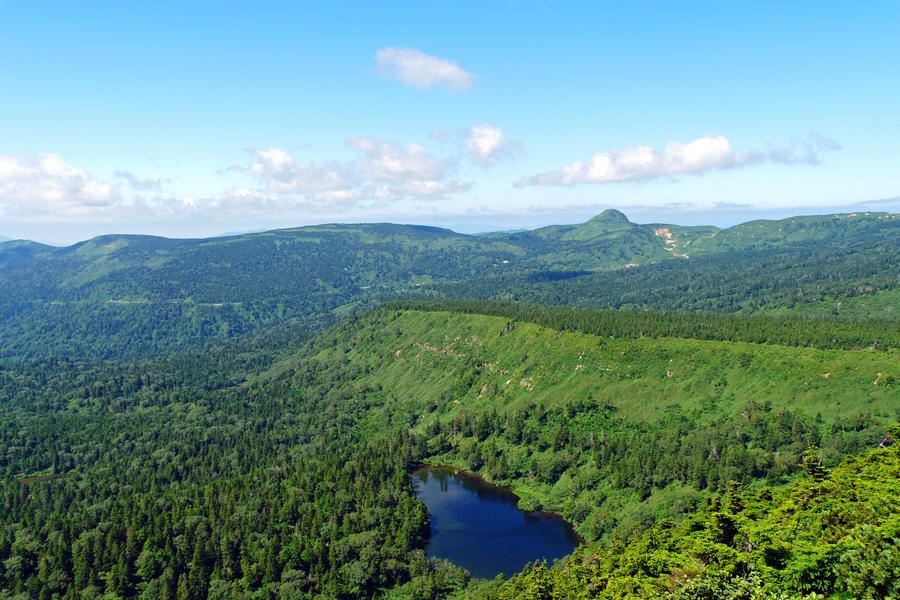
x,y
234,233
138,294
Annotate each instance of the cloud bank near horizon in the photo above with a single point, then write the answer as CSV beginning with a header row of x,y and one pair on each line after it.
x,y
708,153
47,188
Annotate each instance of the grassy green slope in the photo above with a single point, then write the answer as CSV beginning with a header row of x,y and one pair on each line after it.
x,y
524,363
556,414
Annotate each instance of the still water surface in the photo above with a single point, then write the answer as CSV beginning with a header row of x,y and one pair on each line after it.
x,y
478,526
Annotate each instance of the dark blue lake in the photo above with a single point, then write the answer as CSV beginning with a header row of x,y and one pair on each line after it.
x,y
478,526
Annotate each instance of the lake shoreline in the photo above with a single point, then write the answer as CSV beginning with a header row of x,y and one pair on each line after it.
x,y
484,481
456,515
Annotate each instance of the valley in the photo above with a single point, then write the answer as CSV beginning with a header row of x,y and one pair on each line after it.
x,y
241,417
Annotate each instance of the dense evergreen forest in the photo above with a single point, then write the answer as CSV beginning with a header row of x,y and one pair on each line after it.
x,y
178,482
239,417
281,469
835,533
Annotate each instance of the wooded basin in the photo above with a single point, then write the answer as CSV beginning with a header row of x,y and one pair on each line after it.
x,y
478,526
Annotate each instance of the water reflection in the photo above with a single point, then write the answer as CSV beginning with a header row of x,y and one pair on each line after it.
x,y
478,525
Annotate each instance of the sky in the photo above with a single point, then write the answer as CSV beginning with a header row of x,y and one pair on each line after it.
x,y
193,119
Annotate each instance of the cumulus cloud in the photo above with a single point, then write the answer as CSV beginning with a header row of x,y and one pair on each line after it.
x,y
704,154
416,189
243,202
486,144
239,201
46,187
282,174
644,162
384,161
414,67
48,184
384,172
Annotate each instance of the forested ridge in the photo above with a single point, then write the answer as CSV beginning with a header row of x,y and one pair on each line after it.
x,y
272,468
855,279
611,431
135,296
828,332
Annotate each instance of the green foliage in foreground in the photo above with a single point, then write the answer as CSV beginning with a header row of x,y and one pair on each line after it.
x,y
280,470
834,533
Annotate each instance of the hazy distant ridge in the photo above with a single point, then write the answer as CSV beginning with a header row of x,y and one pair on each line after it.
x,y
135,295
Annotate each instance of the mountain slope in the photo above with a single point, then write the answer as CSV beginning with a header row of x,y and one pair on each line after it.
x,y
264,469
608,431
858,281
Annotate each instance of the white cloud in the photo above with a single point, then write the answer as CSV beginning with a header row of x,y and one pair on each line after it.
x,y
238,201
385,172
432,188
47,188
644,162
416,189
244,201
282,174
699,156
802,152
414,67
343,197
384,161
486,144
47,184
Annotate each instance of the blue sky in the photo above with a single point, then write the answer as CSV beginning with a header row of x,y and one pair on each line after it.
x,y
190,121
